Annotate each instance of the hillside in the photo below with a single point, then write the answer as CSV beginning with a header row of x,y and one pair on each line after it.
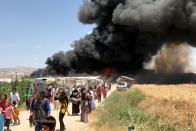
x,y
11,72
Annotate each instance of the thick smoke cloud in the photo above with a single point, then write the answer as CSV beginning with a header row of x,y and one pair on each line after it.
x,y
178,62
152,16
127,34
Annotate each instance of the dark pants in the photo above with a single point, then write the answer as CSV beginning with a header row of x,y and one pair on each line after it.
x,y
61,116
37,126
75,109
99,97
104,95
27,104
7,123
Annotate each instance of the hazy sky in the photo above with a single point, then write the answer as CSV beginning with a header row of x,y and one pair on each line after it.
x,y
32,30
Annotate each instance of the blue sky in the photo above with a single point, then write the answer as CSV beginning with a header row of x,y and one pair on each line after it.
x,y
32,30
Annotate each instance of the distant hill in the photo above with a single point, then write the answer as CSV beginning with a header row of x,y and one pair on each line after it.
x,y
11,72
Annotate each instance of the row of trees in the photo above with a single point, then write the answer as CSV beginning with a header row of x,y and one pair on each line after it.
x,y
6,88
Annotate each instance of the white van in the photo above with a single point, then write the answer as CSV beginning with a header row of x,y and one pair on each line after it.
x,y
121,86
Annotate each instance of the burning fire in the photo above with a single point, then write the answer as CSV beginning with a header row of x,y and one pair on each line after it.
x,y
108,72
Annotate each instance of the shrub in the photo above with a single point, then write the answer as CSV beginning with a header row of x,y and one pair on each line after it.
x,y
6,88
120,110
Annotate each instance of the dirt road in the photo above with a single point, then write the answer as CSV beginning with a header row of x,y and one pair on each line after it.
x,y
72,123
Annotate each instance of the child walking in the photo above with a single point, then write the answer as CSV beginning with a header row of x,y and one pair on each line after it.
x,y
48,124
8,114
15,114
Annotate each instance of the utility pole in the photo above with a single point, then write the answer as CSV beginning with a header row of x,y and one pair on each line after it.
x,y
16,81
16,75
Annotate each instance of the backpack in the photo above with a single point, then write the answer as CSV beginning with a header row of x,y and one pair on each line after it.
x,y
41,112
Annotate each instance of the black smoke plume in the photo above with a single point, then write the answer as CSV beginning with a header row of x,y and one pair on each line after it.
x,y
127,34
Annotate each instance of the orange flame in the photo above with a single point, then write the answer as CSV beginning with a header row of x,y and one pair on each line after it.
x,y
108,72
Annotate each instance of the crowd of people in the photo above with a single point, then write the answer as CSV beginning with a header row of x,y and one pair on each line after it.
x,y
9,110
39,103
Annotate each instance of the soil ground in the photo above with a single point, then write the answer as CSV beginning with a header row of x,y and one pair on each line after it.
x,y
72,123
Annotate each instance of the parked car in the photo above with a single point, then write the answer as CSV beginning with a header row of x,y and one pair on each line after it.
x,y
130,81
121,86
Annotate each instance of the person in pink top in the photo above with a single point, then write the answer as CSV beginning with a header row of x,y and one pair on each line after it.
x,y
8,114
105,92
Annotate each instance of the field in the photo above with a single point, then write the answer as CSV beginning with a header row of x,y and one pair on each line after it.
x,y
175,104
149,108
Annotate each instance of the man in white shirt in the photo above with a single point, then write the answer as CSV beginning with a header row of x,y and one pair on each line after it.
x,y
14,96
53,93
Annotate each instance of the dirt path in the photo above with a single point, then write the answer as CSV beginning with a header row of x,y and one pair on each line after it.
x,y
72,123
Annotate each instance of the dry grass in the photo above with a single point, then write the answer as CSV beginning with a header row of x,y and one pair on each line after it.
x,y
94,126
166,107
175,104
120,110
185,91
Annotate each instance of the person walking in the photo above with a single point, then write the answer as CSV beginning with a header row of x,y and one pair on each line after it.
x,y
14,96
8,114
110,85
75,107
3,102
105,92
85,107
99,91
15,114
41,109
32,101
62,97
92,100
27,95
53,93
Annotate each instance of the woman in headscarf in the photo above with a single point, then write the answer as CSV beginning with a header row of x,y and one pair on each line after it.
x,y
3,101
75,107
85,107
62,97
99,91
92,101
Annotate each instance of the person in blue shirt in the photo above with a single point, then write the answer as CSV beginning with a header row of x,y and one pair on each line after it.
x,y
41,109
